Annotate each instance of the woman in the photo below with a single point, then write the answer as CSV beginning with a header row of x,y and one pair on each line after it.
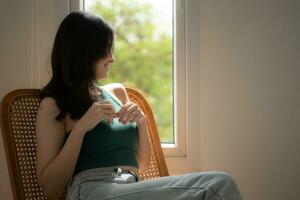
x,y
93,139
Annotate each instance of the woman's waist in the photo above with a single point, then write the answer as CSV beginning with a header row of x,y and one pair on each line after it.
x,y
109,170
103,173
107,162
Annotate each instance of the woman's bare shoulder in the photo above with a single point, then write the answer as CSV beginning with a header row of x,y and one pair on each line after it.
x,y
49,108
49,104
117,89
112,86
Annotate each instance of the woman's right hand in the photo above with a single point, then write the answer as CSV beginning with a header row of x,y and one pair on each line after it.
x,y
97,112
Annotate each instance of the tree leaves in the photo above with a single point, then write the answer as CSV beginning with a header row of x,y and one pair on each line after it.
x,y
143,56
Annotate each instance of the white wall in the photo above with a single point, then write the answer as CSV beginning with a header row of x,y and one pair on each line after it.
x,y
250,94
27,30
247,80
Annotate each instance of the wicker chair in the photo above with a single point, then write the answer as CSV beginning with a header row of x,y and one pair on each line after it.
x,y
18,129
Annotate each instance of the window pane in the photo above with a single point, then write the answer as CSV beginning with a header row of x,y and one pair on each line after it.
x,y
144,52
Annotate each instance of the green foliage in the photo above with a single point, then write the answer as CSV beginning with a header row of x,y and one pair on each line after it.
x,y
143,57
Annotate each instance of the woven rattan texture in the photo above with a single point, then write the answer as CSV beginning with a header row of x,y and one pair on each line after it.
x,y
22,113
153,170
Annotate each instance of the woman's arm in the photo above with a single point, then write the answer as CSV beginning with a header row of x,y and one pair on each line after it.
x,y
55,160
144,149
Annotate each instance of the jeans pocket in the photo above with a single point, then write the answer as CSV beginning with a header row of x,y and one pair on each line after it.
x,y
77,187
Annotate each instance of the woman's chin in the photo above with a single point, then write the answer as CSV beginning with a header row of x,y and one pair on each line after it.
x,y
102,77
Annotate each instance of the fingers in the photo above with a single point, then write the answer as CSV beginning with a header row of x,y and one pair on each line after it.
x,y
129,113
109,116
108,113
134,119
105,105
106,109
123,113
123,109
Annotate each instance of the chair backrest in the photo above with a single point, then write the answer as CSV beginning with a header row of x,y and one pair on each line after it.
x,y
19,109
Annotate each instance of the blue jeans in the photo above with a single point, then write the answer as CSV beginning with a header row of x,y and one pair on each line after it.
x,y
110,184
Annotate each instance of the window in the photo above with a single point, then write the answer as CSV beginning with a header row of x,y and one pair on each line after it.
x,y
150,53
143,52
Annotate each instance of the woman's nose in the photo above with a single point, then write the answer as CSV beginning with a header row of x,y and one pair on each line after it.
x,y
111,57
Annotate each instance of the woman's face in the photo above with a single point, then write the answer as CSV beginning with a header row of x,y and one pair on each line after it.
x,y
103,65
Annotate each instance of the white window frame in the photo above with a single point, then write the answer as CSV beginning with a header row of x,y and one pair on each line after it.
x,y
180,157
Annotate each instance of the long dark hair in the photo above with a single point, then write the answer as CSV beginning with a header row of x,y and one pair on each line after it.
x,y
81,40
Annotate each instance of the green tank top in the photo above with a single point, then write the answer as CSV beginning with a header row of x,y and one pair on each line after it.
x,y
109,144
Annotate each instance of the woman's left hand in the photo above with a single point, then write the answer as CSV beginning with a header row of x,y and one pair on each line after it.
x,y
131,112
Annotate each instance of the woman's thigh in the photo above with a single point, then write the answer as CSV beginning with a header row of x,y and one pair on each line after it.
x,y
192,186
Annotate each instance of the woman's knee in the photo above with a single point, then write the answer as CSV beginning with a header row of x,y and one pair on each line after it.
x,y
221,178
227,178
226,186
